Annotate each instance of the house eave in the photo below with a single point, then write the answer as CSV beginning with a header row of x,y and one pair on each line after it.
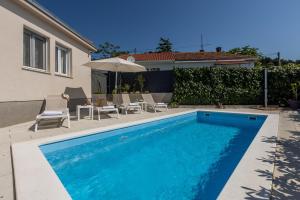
x,y
155,61
42,13
215,60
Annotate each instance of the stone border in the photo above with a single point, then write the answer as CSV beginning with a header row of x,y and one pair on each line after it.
x,y
35,179
252,177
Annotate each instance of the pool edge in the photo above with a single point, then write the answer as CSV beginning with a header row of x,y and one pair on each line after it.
x,y
43,183
258,165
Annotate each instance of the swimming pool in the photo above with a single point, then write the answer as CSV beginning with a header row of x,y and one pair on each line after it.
x,y
189,156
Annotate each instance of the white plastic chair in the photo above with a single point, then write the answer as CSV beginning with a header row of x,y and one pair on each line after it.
x,y
127,105
150,101
56,108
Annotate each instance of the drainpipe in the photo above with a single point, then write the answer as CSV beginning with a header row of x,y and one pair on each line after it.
x,y
266,87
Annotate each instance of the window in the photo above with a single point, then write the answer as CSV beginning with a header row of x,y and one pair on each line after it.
x,y
154,69
34,51
62,60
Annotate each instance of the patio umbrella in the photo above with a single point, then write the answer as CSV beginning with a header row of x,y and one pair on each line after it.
x,y
115,65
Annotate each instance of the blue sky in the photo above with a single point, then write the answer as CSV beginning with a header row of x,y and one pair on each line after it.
x,y
270,25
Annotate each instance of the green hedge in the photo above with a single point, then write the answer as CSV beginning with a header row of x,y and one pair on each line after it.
x,y
234,85
279,81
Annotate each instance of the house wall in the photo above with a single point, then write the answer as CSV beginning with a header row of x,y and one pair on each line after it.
x,y
99,82
25,89
193,64
169,65
162,65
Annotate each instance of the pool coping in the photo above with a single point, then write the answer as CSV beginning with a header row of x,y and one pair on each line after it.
x,y
35,179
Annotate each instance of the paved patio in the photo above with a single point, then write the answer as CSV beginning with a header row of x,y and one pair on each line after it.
x,y
286,184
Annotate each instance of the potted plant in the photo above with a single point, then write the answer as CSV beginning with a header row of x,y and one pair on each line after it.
x,y
174,104
114,91
293,103
219,96
219,104
126,88
141,82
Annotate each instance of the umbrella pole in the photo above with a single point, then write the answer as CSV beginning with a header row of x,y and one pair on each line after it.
x,y
116,82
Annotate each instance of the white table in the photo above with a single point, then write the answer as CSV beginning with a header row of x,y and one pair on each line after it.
x,y
89,107
143,104
101,109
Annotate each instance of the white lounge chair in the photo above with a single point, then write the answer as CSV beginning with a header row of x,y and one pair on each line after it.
x,y
102,106
126,105
150,102
56,108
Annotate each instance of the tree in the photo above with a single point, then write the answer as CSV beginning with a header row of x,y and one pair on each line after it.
x,y
164,45
246,50
264,60
267,61
109,50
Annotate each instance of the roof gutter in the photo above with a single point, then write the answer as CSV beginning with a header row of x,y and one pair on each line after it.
x,y
42,13
154,61
214,60
195,61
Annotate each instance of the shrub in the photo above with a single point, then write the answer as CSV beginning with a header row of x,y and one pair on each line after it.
x,y
212,85
233,85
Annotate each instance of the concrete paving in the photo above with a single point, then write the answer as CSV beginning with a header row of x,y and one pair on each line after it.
x,y
286,172
286,177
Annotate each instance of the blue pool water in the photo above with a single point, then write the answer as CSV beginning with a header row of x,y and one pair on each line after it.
x,y
184,157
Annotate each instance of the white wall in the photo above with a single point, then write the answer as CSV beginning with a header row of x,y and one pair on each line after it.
x,y
163,65
169,65
18,84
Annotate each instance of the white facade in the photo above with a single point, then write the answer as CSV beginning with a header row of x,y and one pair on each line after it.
x,y
39,56
170,65
27,78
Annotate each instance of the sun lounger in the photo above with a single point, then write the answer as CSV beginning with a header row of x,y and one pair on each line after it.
x,y
56,108
126,105
102,106
150,102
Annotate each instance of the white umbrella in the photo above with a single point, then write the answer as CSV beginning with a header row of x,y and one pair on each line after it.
x,y
115,65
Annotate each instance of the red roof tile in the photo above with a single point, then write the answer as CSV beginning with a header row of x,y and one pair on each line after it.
x,y
188,56
194,56
151,56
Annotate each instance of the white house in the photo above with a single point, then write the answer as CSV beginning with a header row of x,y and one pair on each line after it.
x,y
39,56
169,60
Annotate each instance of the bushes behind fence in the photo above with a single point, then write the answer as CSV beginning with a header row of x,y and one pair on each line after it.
x,y
232,85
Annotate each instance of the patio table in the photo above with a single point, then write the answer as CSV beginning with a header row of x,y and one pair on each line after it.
x,y
143,104
89,107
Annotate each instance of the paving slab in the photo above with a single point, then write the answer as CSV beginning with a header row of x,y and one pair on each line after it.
x,y
5,159
6,187
286,176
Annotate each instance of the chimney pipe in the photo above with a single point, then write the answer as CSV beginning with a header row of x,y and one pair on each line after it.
x,y
219,49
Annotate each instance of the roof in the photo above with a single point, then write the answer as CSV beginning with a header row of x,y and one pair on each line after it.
x,y
59,21
164,56
195,56
219,57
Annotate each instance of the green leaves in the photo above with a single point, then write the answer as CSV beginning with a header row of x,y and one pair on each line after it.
x,y
246,50
141,81
234,85
109,50
218,85
164,45
281,87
